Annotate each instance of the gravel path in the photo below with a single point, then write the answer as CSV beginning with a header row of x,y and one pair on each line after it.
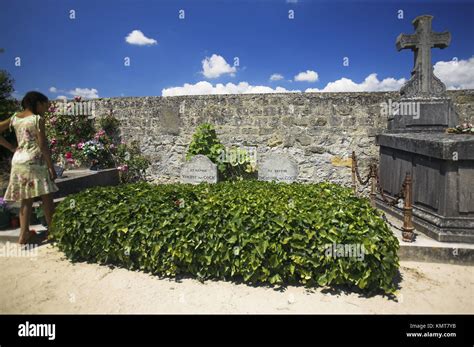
x,y
49,283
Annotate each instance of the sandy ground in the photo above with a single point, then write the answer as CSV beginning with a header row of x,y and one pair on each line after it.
x,y
49,283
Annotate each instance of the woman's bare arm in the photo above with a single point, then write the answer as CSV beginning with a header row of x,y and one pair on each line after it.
x,y
5,124
6,144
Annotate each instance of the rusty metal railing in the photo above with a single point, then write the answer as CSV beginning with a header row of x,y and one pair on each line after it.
x,y
405,193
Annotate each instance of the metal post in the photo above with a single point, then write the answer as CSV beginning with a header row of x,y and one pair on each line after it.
x,y
353,164
407,234
373,175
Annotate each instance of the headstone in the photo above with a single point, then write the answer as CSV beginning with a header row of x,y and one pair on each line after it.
x,y
279,168
441,165
424,92
199,169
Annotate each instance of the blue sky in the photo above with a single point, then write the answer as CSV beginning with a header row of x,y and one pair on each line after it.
x,y
86,56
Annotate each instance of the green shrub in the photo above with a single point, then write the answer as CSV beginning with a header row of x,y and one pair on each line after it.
x,y
131,163
205,142
240,164
258,232
66,133
111,125
233,163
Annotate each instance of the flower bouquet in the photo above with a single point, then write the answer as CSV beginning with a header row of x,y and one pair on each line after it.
x,y
94,150
464,128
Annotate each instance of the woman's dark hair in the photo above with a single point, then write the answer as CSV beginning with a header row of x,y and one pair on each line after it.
x,y
31,100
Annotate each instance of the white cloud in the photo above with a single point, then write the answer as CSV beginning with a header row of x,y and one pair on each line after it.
x,y
308,76
370,84
136,37
216,66
291,1
456,74
276,77
204,87
88,93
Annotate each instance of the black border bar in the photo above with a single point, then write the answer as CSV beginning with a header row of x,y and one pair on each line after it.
x,y
260,329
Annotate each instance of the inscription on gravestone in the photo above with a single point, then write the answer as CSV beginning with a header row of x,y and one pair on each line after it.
x,y
199,169
279,168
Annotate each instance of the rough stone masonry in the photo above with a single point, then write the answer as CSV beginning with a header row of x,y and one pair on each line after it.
x,y
319,130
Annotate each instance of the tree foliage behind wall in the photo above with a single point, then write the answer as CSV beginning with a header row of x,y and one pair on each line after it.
x,y
8,105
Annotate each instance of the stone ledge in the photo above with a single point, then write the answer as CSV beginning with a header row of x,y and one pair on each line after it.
x,y
438,234
434,145
425,249
84,179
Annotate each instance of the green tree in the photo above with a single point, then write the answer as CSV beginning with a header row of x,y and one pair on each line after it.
x,y
8,105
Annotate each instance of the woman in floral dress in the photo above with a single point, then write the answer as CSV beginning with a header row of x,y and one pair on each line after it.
x,y
32,172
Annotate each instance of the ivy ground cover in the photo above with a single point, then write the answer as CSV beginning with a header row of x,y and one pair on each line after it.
x,y
251,231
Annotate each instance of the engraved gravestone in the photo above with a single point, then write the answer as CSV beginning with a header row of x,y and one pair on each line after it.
x,y
199,169
279,168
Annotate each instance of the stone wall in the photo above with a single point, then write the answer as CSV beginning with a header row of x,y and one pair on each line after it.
x,y
318,129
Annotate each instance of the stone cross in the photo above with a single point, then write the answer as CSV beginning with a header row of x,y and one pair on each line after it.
x,y
423,82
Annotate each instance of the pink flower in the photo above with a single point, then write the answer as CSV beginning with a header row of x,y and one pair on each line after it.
x,y
53,120
123,168
99,134
73,146
80,145
53,142
68,155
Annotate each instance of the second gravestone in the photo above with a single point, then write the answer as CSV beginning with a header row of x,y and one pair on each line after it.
x,y
199,169
279,168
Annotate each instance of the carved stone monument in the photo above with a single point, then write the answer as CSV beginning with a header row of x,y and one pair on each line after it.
x,y
423,81
199,169
441,164
424,90
279,168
